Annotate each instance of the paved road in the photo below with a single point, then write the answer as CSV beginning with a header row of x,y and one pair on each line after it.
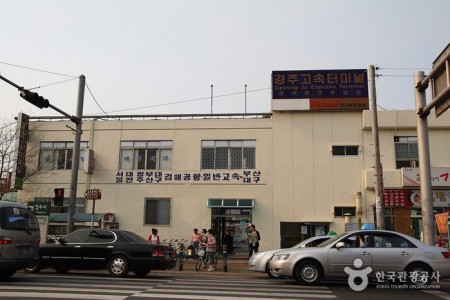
x,y
240,284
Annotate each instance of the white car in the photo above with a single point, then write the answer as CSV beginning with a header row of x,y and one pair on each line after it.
x,y
259,262
380,252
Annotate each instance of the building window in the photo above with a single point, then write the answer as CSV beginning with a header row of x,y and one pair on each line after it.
x,y
146,155
342,211
345,150
157,211
406,152
58,155
239,154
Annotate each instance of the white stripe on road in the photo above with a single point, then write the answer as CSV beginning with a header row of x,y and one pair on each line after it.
x,y
67,289
30,295
216,297
242,289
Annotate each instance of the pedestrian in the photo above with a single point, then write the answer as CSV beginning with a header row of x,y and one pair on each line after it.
x,y
195,241
211,248
227,248
203,239
253,238
154,237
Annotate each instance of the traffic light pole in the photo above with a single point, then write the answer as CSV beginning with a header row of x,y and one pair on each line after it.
x,y
76,156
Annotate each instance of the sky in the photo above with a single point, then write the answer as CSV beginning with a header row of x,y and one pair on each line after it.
x,y
161,57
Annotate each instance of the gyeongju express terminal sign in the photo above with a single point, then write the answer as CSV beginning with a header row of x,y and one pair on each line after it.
x,y
320,90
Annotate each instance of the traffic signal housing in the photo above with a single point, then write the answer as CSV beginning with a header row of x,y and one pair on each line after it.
x,y
59,197
34,98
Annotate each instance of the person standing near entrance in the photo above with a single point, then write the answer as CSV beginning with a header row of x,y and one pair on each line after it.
x,y
195,241
211,249
253,238
227,248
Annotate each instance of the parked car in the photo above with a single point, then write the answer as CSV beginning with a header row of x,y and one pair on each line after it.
x,y
19,237
116,250
259,262
386,252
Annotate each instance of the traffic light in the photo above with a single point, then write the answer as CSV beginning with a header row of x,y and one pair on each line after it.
x,y
59,197
34,98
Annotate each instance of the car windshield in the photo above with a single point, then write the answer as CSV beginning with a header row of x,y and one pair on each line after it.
x,y
133,237
332,240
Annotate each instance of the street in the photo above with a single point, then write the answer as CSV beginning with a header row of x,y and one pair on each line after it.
x,y
188,284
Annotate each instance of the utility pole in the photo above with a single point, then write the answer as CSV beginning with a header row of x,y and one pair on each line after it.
x,y
76,156
426,191
379,211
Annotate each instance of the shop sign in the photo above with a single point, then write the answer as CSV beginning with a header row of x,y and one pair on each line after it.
x,y
442,222
322,90
439,177
411,198
164,177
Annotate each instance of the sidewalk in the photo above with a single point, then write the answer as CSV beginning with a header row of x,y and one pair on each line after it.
x,y
237,265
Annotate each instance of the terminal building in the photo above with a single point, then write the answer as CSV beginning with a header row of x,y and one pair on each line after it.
x,y
296,172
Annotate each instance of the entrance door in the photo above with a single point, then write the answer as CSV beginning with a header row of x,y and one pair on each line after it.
x,y
236,220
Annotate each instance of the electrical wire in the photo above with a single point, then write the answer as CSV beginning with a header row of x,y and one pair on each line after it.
x,y
50,84
92,95
38,70
185,101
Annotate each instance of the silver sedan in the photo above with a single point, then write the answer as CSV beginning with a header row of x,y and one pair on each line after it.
x,y
259,262
383,254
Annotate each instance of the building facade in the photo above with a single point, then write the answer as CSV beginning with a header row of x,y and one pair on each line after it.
x,y
292,174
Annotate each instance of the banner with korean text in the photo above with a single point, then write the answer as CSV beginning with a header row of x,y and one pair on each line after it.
x,y
441,222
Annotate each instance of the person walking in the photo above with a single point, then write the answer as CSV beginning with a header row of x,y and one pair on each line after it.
x,y
227,248
211,248
154,237
195,242
253,238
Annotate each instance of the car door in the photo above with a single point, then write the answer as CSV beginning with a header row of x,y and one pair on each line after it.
x,y
67,252
98,248
391,252
339,258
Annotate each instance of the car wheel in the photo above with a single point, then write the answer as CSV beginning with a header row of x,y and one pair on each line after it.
x,y
270,274
62,270
118,266
418,274
7,273
141,272
308,272
33,269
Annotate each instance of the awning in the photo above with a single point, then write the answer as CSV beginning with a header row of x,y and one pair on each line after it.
x,y
80,217
231,203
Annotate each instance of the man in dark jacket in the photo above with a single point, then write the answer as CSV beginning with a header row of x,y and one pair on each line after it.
x,y
253,238
227,248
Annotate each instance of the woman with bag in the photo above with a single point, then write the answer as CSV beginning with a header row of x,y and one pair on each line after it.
x,y
211,247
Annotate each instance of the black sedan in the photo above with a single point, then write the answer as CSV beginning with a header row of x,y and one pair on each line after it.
x,y
116,250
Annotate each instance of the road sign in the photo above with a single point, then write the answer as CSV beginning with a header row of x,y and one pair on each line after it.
x,y
94,194
440,81
40,208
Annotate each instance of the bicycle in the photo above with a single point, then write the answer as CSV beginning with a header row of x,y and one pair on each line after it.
x,y
202,261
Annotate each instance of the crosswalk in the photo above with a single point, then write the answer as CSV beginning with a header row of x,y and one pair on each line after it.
x,y
73,286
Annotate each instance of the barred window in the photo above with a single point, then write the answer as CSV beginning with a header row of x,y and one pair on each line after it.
x,y
146,155
233,154
157,211
406,152
58,155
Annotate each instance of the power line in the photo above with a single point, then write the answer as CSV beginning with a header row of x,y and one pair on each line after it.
x,y
190,100
38,70
50,84
95,99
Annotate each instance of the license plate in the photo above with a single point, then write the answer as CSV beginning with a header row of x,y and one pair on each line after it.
x,y
24,250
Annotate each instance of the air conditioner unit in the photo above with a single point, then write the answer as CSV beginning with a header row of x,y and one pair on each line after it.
x,y
108,218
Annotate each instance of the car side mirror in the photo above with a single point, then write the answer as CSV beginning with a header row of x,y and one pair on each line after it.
x,y
340,245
